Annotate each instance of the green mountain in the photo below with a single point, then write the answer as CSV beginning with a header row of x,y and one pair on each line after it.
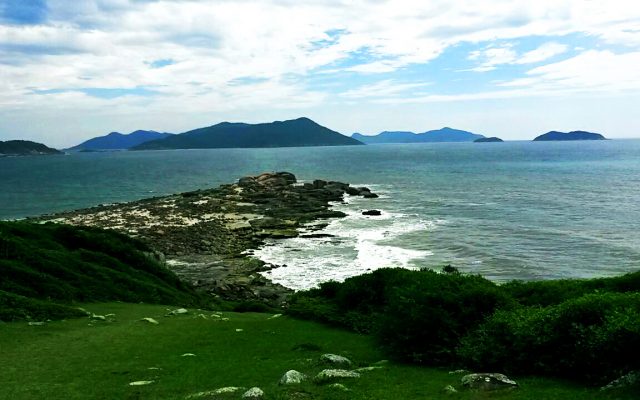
x,y
119,141
439,135
292,133
25,148
575,135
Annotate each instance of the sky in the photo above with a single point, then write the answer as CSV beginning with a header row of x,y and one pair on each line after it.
x,y
74,69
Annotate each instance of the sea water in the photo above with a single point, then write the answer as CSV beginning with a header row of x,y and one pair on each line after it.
x,y
513,210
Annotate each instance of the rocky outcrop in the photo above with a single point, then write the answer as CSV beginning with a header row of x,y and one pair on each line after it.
x,y
332,375
335,360
205,236
372,212
292,377
488,381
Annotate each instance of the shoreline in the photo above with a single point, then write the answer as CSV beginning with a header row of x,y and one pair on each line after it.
x,y
203,236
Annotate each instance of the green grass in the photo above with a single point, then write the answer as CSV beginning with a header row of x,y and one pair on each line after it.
x,y
81,359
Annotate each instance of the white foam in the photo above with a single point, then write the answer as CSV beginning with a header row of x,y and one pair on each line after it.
x,y
359,244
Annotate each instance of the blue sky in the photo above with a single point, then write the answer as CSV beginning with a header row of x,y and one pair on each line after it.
x,y
70,70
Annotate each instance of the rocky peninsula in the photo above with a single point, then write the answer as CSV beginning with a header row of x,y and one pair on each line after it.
x,y
206,236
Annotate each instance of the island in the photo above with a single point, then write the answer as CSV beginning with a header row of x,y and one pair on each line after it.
x,y
488,140
25,148
574,135
445,134
119,141
299,132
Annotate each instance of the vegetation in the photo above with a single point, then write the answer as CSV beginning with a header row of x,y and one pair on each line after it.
x,y
25,147
83,359
582,329
45,268
291,133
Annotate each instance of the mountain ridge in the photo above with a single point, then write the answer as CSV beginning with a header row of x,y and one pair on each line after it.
x,y
445,134
300,132
120,141
564,136
25,148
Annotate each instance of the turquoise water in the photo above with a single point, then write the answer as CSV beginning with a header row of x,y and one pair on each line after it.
x,y
507,210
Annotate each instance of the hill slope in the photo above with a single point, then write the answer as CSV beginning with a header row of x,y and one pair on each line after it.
x,y
291,133
24,148
44,267
119,141
439,135
574,135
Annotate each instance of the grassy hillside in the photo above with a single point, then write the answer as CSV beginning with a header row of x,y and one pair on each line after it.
x,y
79,359
46,268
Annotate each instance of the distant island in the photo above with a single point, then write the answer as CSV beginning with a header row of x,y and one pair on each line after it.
x,y
291,133
488,140
119,141
25,148
445,134
574,135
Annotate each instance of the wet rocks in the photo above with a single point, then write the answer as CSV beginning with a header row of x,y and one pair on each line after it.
x,y
372,212
204,235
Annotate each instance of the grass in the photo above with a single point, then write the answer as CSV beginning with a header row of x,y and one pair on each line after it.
x,y
81,359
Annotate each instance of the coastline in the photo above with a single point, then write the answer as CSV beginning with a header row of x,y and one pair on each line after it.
x,y
204,236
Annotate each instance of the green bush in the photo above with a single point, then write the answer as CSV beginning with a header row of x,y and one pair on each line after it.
x,y
425,319
595,337
16,308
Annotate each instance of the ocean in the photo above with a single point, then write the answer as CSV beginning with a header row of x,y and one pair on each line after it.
x,y
513,210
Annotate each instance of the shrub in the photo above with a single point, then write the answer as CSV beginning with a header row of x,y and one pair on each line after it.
x,y
595,338
424,320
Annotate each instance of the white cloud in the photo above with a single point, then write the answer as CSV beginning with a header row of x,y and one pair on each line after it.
x,y
384,88
111,43
542,53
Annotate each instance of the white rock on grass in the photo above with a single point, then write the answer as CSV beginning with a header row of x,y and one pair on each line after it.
x,y
98,317
339,386
253,393
329,375
38,323
449,389
177,311
215,392
488,381
140,383
150,320
335,359
188,355
368,369
292,377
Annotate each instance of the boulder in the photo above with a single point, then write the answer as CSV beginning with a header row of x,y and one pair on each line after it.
x,y
150,320
488,381
372,212
319,184
449,389
335,360
140,383
253,393
292,377
351,191
369,195
630,379
331,375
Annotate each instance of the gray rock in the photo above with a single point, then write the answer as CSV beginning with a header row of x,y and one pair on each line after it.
x,y
488,381
292,377
150,320
630,379
253,393
369,195
449,389
339,386
368,369
372,212
334,359
330,375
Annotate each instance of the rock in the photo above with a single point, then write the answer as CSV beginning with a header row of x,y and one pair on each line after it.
x,y
368,369
98,317
336,360
38,323
253,393
150,320
488,381
449,389
319,184
381,362
364,189
188,355
210,393
369,195
292,377
330,375
339,386
178,311
140,383
351,191
458,371
630,379
372,212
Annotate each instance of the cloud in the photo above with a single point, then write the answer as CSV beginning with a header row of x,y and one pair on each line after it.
x,y
203,57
